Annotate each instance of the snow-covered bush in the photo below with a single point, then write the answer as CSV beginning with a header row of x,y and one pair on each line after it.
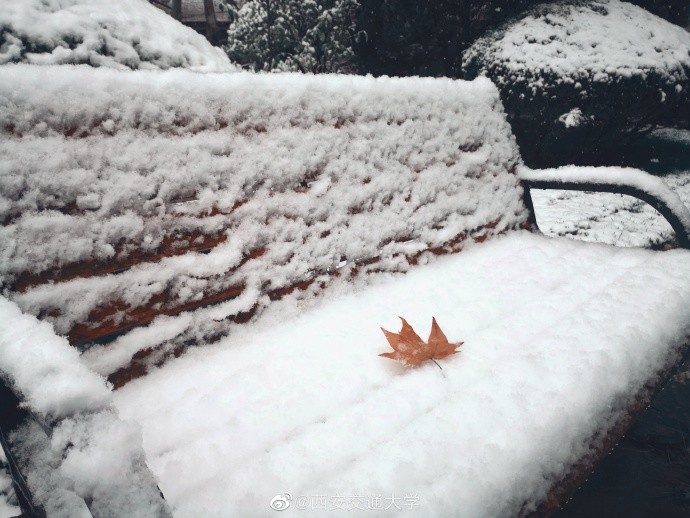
x,y
404,38
581,77
294,35
121,34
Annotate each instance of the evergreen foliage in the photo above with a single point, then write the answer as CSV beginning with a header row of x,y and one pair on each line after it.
x,y
294,35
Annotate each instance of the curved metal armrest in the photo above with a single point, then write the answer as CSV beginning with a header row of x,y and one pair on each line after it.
x,y
665,201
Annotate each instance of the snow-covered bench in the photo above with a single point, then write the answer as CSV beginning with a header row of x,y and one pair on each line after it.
x,y
147,212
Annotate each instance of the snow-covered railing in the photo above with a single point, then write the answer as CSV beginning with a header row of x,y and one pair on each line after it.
x,y
61,433
630,182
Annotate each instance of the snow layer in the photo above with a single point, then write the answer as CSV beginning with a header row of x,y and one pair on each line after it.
x,y
91,455
314,170
559,336
599,40
120,34
44,368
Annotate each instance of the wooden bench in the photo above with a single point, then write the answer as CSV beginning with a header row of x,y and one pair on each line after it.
x,y
228,193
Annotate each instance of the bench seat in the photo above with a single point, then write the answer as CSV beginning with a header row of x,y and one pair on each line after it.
x,y
560,339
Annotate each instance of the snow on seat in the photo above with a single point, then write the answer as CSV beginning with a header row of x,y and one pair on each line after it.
x,y
559,337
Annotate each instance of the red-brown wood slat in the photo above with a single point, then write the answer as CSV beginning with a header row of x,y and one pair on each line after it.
x,y
127,254
179,244
117,317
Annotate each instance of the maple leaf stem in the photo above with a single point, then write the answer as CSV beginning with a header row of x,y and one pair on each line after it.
x,y
437,364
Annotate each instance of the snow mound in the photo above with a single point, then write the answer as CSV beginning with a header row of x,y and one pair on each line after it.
x,y
601,40
559,338
125,34
315,172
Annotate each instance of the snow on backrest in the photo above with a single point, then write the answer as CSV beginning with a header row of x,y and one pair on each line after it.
x,y
282,176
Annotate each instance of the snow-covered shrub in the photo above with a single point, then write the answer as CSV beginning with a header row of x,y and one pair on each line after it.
x,y
404,38
121,34
294,35
315,171
581,77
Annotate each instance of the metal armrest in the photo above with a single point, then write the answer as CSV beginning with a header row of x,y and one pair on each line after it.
x,y
635,183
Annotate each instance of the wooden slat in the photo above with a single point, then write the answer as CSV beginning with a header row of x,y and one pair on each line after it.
x,y
127,254
117,317
179,244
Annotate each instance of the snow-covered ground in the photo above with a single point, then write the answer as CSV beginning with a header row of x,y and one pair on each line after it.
x,y
614,218
558,337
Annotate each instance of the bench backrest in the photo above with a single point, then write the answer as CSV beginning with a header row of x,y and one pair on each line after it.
x,y
130,195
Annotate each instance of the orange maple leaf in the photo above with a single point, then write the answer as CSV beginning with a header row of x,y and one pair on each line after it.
x,y
412,350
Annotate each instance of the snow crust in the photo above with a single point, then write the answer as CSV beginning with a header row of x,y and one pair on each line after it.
x,y
600,40
559,337
124,34
90,454
315,170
